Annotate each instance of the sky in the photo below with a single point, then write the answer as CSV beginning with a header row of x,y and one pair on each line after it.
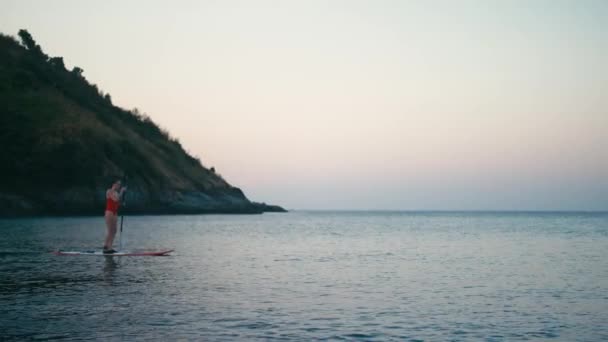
x,y
362,105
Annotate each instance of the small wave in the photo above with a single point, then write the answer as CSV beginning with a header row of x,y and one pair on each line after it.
x,y
361,336
542,334
19,253
325,259
325,319
253,325
228,319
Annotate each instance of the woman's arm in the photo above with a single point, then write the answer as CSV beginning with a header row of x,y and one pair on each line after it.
x,y
113,195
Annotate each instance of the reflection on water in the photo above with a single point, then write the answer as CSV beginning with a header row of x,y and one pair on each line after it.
x,y
308,276
109,268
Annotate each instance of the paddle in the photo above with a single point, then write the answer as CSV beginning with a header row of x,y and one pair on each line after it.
x,y
122,215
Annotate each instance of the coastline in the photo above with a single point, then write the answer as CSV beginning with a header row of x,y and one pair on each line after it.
x,y
87,202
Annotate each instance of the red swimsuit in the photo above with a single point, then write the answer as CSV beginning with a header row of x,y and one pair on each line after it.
x,y
112,205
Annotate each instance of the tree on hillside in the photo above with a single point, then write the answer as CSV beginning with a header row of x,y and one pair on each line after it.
x,y
28,41
77,71
57,62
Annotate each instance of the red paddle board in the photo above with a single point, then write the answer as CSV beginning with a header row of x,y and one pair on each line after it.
x,y
118,253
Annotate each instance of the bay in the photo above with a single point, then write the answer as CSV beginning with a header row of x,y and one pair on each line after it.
x,y
310,275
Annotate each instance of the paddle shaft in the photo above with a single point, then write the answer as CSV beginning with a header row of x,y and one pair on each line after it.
x,y
122,217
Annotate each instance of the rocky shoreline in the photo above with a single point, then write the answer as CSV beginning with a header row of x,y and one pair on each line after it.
x,y
87,202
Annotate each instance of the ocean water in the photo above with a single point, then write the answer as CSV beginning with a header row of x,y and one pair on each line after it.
x,y
301,276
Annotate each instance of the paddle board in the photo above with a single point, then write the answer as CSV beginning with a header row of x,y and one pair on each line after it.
x,y
119,253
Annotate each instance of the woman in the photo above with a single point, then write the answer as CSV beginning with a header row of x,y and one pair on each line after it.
x,y
112,203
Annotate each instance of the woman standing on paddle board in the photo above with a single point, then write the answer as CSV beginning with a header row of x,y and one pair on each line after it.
x,y
113,195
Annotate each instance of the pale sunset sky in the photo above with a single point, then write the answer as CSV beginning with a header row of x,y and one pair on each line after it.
x,y
396,105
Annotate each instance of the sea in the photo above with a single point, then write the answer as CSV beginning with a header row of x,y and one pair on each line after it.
x,y
309,276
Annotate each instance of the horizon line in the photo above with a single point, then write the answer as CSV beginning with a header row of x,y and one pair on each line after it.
x,y
603,211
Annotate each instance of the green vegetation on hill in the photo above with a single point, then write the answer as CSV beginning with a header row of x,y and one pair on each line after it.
x,y
59,132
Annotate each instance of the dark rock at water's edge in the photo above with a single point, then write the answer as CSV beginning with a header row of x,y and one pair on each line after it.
x,y
64,143
269,208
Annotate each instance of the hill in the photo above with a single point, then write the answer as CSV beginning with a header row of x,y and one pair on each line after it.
x,y
64,143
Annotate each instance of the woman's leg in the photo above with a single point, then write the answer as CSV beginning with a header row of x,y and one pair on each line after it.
x,y
113,230
110,229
